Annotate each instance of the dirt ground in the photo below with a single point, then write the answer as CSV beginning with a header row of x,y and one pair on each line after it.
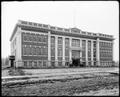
x,y
58,71
76,87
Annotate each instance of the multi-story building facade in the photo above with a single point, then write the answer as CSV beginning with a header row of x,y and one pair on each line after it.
x,y
40,45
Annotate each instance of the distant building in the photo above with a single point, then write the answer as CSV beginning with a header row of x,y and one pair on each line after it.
x,y
40,45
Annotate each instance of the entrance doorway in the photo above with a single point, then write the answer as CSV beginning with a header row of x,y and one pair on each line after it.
x,y
76,60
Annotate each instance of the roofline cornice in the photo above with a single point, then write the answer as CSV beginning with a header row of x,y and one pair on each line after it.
x,y
59,30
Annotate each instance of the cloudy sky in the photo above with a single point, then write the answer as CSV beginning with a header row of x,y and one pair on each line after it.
x,y
92,16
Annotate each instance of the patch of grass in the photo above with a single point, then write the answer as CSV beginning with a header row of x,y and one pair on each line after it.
x,y
68,88
16,71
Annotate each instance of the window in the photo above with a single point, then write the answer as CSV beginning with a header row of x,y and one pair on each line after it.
x,y
83,49
44,63
60,48
52,46
60,63
76,42
53,64
46,50
67,59
40,25
23,22
27,50
52,39
37,37
36,51
52,51
27,36
24,37
34,38
59,40
89,48
94,50
39,50
46,38
89,33
59,51
67,42
66,46
32,50
42,37
45,25
24,50
40,63
59,28
66,30
83,32
35,63
25,63
35,24
30,63
52,27
66,52
30,37
94,34
30,23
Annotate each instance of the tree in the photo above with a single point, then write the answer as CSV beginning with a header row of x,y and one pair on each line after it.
x,y
6,61
3,62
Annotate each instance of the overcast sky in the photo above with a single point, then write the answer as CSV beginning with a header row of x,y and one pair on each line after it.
x,y
91,16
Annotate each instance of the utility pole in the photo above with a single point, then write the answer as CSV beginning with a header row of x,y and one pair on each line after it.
x,y
74,17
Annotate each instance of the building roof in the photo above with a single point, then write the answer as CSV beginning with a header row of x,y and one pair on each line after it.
x,y
60,30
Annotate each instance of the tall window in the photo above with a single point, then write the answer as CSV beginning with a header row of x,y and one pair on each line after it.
x,y
67,49
94,51
89,50
42,50
24,50
30,37
46,50
60,48
25,63
39,50
45,38
83,50
32,50
52,48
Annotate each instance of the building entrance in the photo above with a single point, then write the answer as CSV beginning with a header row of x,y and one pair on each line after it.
x,y
76,59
